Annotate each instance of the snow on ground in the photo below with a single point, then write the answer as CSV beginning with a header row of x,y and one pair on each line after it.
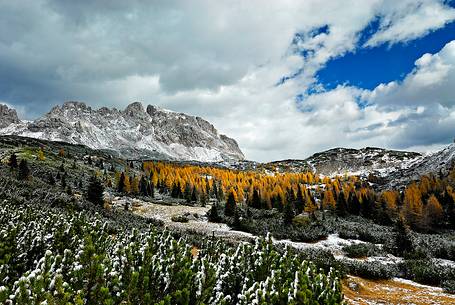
x,y
333,243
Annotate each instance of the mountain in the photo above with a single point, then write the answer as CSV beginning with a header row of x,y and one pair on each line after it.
x,y
134,132
386,169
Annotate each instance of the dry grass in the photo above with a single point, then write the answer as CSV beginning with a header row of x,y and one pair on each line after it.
x,y
361,291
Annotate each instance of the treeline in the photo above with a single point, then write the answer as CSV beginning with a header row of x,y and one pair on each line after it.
x,y
423,205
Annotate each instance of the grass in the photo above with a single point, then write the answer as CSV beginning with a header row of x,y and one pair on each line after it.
x,y
361,291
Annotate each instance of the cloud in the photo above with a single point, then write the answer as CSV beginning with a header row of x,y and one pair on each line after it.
x,y
401,21
221,60
414,113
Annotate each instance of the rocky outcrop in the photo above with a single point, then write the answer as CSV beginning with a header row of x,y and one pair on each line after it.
x,y
7,116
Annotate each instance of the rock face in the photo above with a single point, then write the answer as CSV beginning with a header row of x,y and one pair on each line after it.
x,y
134,132
7,116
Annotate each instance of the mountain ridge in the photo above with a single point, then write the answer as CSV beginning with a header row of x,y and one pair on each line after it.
x,y
135,132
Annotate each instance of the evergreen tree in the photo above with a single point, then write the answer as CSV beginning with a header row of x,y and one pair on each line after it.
x,y
95,191
89,160
203,199
300,206
367,206
230,204
63,181
24,171
288,212
176,191
121,183
51,179
143,185
12,162
341,206
353,203
194,194
213,213
403,242
256,200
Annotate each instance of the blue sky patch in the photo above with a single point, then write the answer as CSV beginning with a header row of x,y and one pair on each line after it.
x,y
368,67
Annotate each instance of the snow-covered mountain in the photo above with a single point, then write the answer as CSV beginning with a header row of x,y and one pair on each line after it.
x,y
134,132
385,168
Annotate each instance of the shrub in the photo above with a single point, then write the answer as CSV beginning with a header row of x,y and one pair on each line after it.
x,y
179,218
360,250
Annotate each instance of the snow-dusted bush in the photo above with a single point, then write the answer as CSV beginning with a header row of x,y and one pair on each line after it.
x,y
53,251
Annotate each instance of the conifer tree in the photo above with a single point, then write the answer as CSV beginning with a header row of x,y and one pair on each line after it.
x,y
256,200
213,213
24,171
230,204
403,243
203,199
12,162
341,205
288,212
121,183
300,206
353,203
143,186
51,179
63,181
194,194
95,191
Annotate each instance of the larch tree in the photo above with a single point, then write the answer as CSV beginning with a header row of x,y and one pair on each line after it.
x,y
433,213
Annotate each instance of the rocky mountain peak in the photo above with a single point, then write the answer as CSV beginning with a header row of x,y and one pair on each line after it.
x,y
7,116
133,132
134,108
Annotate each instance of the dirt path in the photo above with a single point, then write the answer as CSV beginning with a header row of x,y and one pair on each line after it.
x,y
360,291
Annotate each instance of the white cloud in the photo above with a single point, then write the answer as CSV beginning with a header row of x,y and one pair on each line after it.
x,y
221,60
406,20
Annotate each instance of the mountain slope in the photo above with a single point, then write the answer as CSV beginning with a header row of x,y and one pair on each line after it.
x,y
387,169
132,133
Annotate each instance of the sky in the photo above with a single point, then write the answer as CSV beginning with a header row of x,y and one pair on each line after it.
x,y
284,78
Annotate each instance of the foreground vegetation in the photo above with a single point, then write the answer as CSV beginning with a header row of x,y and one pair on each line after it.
x,y
59,248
